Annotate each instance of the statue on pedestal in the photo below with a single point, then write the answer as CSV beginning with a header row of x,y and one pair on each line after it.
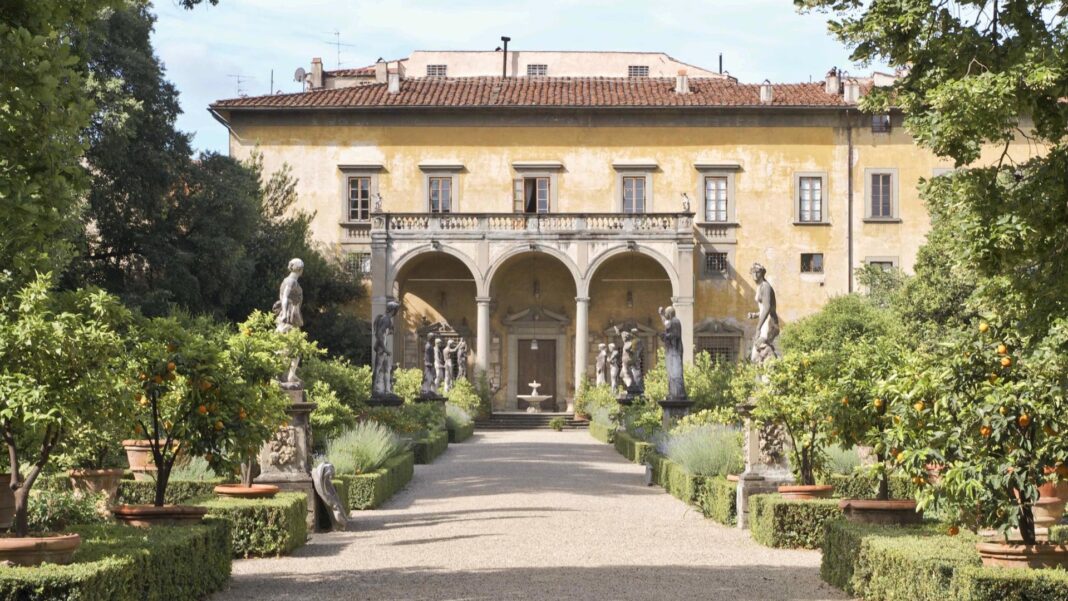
x,y
439,364
613,366
287,312
638,366
627,359
601,365
461,360
672,337
767,317
448,355
429,387
382,376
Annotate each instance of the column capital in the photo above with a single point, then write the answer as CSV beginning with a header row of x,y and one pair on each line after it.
x,y
582,299
682,300
483,300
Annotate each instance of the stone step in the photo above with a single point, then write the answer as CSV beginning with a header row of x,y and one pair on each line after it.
x,y
526,421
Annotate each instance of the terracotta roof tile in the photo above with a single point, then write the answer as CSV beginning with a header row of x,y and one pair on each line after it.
x,y
563,92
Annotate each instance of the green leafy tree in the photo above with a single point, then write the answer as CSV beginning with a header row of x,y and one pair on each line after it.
x,y
61,365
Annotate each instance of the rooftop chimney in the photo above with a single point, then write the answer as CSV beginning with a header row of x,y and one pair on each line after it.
x,y
682,82
852,91
832,83
394,79
766,94
381,67
316,73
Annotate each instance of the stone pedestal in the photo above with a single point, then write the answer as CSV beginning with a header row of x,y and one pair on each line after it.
x,y
630,394
285,459
766,467
388,399
674,410
433,398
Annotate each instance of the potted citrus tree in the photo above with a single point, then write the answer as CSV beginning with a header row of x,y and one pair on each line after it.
x,y
254,363
61,361
881,402
1001,428
794,392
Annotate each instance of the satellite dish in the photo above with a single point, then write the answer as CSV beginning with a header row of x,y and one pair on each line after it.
x,y
299,74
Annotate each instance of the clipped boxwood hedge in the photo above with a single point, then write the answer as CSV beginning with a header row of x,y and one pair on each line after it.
x,y
862,485
602,432
119,563
461,433
431,447
785,523
264,527
143,492
636,450
367,491
895,562
718,500
675,479
1003,584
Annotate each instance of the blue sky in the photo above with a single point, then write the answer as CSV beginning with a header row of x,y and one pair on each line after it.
x,y
204,49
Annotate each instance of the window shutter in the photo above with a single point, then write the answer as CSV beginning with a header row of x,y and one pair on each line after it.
x,y
517,195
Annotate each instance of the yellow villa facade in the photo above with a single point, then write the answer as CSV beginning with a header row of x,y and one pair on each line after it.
x,y
507,209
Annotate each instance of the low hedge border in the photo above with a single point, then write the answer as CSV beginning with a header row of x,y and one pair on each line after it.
x,y
789,524
143,492
119,563
636,450
264,527
675,479
718,500
863,485
461,433
603,432
1003,584
367,491
895,562
431,447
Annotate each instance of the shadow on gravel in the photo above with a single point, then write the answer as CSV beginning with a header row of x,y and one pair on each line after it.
x,y
673,582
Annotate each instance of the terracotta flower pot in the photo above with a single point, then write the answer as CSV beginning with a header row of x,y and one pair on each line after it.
x,y
149,515
1015,554
1049,489
32,551
96,481
874,511
139,456
7,502
805,492
732,477
1047,511
256,491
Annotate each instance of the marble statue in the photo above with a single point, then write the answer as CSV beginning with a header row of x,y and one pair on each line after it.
x,y
429,373
382,376
448,355
767,318
672,336
626,358
613,366
601,364
638,366
323,481
461,360
439,364
287,312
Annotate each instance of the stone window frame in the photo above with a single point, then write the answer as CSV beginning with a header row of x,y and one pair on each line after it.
x,y
894,261
825,213
727,171
534,169
451,171
707,249
349,172
895,201
359,258
731,340
823,264
637,172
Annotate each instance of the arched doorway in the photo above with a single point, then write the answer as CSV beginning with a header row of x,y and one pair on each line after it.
x,y
532,325
437,295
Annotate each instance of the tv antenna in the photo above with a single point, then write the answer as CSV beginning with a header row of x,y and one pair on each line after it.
x,y
240,79
338,45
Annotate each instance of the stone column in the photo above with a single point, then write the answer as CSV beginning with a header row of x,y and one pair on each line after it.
x,y
482,336
380,281
582,344
684,311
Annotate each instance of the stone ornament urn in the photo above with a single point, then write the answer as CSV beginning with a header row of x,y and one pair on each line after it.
x,y
87,481
139,456
7,502
805,492
32,551
144,516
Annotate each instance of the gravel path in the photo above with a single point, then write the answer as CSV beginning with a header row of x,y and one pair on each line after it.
x,y
533,515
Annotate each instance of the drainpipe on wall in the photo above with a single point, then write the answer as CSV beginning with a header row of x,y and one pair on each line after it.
x,y
849,194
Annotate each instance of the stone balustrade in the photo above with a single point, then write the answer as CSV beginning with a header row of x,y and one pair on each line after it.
x,y
644,225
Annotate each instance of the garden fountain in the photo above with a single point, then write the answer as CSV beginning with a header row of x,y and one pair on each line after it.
x,y
534,399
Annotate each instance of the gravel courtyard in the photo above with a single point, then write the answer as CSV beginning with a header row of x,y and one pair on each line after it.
x,y
532,515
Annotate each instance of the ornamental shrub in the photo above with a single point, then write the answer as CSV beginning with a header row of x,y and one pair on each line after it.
x,y
464,396
363,448
331,417
263,527
707,450
557,423
591,399
56,511
350,383
456,416
783,523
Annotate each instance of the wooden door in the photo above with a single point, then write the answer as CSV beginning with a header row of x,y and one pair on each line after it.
x,y
537,365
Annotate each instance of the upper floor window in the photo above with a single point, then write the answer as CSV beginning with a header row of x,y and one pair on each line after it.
x,y
437,70
532,194
880,124
440,188
810,199
716,198
811,262
358,264
881,194
634,193
359,198
537,70
638,71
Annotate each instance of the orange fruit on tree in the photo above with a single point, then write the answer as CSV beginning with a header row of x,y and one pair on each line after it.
x,y
953,531
1006,361
205,385
171,366
218,425
878,403
1003,410
984,327
986,431
1002,349
1024,420
158,379
900,457
919,480
202,410
845,400
919,406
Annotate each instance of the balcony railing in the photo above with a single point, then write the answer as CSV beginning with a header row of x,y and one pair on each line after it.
x,y
508,224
